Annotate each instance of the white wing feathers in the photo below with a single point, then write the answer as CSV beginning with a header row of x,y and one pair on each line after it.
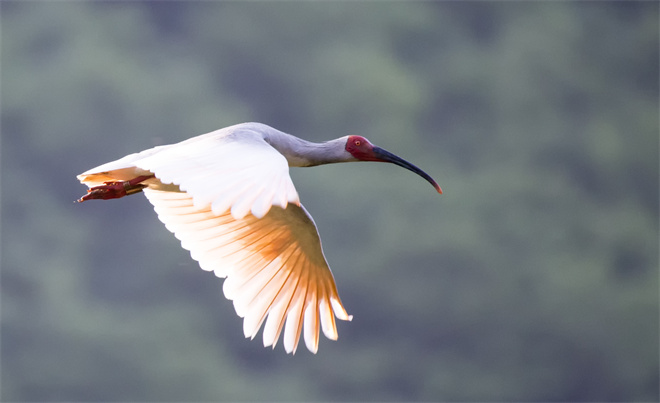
x,y
246,176
274,266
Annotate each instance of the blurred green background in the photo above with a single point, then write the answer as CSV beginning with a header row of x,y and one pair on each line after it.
x,y
533,278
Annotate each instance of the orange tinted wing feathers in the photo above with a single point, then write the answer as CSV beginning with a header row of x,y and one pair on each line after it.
x,y
274,266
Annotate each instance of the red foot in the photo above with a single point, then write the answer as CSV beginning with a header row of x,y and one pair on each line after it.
x,y
115,190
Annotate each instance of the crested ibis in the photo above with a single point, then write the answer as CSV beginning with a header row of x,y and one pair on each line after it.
x,y
227,196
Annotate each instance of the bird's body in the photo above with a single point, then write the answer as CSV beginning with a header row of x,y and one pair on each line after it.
x,y
216,191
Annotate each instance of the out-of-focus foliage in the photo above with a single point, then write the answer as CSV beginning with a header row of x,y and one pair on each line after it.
x,y
533,278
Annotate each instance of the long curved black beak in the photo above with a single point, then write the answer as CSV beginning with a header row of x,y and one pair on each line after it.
x,y
386,156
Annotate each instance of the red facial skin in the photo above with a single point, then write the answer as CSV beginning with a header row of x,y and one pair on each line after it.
x,y
361,148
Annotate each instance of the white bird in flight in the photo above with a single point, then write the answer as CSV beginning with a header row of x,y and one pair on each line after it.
x,y
216,191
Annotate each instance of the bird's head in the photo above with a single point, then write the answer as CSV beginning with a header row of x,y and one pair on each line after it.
x,y
360,148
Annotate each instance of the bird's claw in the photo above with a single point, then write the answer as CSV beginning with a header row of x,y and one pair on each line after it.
x,y
115,190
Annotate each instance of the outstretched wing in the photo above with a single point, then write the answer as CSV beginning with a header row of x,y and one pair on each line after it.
x,y
274,266
204,190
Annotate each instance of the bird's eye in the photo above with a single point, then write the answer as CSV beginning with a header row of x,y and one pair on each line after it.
x,y
357,143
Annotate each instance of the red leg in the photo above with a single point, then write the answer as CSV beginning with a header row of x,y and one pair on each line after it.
x,y
115,190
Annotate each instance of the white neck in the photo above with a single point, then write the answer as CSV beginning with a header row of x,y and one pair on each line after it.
x,y
303,153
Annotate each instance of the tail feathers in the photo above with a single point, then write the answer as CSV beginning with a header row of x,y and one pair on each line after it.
x,y
122,169
92,179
